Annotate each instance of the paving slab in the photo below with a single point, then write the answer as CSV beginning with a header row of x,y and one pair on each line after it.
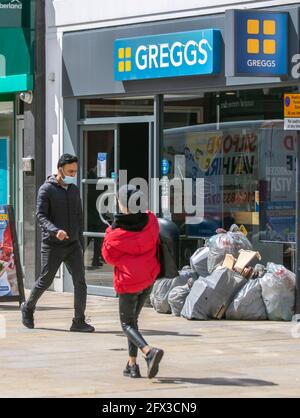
x,y
202,358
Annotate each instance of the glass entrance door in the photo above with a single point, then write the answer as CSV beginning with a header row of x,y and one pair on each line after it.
x,y
105,149
96,141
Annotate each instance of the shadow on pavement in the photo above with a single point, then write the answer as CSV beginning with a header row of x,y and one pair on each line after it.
x,y
67,330
4,308
120,333
215,381
156,332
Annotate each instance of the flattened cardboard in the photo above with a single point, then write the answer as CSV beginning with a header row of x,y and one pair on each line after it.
x,y
229,261
244,258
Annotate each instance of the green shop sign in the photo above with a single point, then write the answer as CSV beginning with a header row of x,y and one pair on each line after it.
x,y
16,45
11,13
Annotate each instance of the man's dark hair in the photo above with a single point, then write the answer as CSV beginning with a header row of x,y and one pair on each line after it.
x,y
66,159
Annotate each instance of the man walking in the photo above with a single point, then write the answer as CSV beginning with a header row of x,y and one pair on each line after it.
x,y
59,213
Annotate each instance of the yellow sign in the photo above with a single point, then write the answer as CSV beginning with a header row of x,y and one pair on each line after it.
x,y
243,230
292,105
124,56
254,45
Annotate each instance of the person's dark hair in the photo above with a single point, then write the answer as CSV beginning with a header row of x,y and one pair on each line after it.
x,y
66,159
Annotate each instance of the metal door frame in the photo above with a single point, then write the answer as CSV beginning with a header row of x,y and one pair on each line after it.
x,y
105,124
19,147
82,152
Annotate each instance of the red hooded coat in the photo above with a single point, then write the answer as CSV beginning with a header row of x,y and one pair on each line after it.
x,y
133,255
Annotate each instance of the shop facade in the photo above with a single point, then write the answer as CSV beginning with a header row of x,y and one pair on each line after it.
x,y
17,30
22,120
202,92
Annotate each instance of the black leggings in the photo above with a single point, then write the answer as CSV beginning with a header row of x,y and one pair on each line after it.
x,y
130,306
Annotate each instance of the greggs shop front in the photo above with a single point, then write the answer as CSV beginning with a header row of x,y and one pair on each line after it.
x,y
205,97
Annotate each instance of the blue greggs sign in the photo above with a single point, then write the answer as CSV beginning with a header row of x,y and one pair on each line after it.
x,y
260,41
168,55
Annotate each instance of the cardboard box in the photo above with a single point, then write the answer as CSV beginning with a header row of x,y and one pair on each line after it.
x,y
244,258
240,264
229,261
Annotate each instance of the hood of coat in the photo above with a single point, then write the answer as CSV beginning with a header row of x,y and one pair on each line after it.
x,y
132,222
134,242
52,179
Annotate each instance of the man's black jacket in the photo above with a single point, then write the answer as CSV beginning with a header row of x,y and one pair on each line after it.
x,y
59,208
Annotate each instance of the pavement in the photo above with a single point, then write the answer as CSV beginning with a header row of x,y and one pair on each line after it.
x,y
202,358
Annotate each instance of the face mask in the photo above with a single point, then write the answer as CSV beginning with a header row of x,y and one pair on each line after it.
x,y
68,179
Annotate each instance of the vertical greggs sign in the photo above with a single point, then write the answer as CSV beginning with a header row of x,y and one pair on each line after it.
x,y
256,43
168,55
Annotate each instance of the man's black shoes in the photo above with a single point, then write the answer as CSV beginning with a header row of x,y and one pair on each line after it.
x,y
81,326
132,371
27,316
153,359
28,321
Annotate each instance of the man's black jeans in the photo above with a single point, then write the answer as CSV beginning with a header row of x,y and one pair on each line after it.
x,y
51,258
130,306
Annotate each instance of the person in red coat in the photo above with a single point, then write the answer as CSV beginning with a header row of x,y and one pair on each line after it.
x,y
131,246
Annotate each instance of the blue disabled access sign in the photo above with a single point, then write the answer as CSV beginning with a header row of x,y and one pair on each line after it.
x,y
168,55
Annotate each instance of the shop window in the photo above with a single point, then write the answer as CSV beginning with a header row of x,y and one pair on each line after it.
x,y
104,108
236,143
6,151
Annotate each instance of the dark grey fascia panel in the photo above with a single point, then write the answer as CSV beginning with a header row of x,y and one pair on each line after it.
x,y
88,59
229,41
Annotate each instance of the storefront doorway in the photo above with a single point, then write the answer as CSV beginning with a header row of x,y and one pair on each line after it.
x,y
125,145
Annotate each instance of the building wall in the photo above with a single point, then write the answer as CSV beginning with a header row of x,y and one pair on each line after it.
x,y
70,15
75,15
34,145
66,14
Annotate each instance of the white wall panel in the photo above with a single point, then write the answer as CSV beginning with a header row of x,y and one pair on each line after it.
x,y
76,14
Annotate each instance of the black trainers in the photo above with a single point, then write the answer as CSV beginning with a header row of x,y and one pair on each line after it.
x,y
27,316
81,326
132,371
153,359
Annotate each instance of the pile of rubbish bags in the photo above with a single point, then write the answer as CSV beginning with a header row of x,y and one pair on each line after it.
x,y
223,280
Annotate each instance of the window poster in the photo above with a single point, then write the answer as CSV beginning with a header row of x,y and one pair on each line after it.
x,y
4,171
11,276
278,184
